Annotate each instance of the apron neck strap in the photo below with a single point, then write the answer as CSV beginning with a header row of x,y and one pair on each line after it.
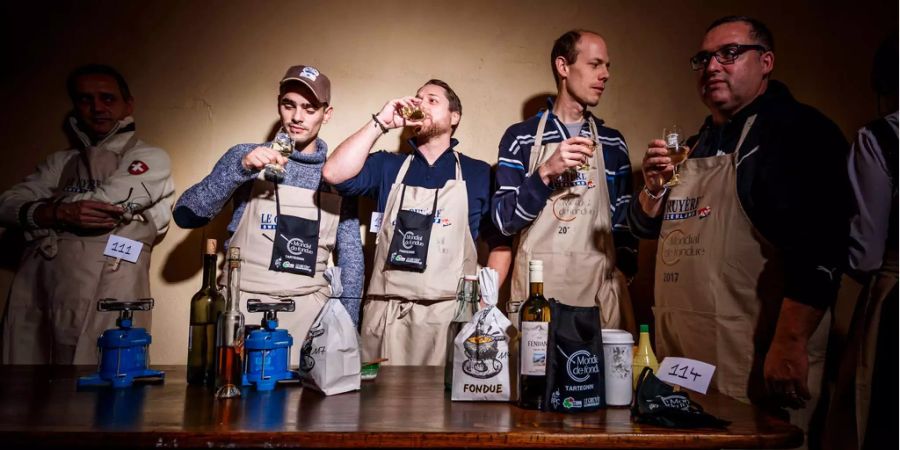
x,y
433,207
748,123
403,169
538,140
318,203
402,174
277,201
542,124
744,132
595,136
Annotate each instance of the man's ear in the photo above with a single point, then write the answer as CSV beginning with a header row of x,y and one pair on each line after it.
x,y
329,110
562,67
455,116
129,106
768,62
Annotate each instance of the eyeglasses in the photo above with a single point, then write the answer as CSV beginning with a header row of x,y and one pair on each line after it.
x,y
725,55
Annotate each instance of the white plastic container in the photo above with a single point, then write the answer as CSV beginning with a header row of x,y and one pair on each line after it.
x,y
618,348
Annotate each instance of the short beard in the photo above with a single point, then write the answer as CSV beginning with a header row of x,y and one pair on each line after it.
x,y
429,131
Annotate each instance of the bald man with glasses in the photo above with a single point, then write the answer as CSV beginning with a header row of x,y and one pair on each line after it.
x,y
752,240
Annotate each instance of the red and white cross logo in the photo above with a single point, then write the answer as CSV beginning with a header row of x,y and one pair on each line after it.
x,y
138,167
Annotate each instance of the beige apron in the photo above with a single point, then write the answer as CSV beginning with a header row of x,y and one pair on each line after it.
x,y
254,236
52,315
572,235
406,314
848,414
719,284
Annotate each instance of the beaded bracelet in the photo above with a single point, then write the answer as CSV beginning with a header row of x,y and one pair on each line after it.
x,y
384,129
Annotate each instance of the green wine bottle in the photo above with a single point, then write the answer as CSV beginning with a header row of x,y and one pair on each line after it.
x,y
206,305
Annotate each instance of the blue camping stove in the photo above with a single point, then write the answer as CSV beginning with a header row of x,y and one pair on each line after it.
x,y
123,350
268,349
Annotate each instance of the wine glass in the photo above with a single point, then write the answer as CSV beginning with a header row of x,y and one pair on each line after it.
x,y
677,150
586,165
578,175
284,144
412,113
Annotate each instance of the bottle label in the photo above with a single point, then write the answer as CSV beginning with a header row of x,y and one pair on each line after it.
x,y
190,338
534,348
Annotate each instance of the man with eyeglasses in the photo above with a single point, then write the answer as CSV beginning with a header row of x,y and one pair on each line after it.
x,y
90,217
751,241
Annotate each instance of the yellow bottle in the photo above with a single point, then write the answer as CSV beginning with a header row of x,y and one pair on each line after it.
x,y
643,356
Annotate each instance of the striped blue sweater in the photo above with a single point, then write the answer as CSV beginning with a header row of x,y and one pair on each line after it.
x,y
519,198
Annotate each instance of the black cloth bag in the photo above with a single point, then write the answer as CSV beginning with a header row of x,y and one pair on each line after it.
x,y
575,379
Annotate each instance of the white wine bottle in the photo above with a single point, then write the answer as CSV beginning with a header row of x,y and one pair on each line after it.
x,y
535,321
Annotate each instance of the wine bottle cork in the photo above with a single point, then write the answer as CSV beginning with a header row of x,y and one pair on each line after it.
x,y
210,246
234,256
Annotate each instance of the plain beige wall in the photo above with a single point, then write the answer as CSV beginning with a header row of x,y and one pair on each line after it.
x,y
204,75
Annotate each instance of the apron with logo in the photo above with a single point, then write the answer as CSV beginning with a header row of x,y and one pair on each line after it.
x,y
274,238
407,312
572,235
719,284
53,315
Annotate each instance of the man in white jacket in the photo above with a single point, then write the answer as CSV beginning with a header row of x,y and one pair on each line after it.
x,y
112,189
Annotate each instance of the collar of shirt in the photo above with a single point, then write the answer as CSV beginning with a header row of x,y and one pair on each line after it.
x,y
559,124
725,137
316,157
417,154
115,140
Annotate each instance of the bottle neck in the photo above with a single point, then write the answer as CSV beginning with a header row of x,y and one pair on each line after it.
x,y
536,289
466,303
644,341
209,271
234,288
536,281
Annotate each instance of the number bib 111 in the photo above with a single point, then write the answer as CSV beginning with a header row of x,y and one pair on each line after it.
x,y
123,248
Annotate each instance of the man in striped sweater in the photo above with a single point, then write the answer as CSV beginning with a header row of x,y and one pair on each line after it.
x,y
565,186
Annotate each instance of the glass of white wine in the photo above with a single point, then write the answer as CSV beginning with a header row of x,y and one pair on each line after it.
x,y
284,144
412,113
676,149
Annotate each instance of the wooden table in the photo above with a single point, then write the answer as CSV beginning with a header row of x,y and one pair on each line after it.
x,y
404,407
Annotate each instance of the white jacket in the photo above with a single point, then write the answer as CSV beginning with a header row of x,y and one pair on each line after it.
x,y
144,172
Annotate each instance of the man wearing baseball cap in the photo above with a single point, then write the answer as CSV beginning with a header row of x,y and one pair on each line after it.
x,y
286,219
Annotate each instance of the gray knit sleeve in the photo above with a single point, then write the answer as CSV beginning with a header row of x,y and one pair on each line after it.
x,y
350,257
201,202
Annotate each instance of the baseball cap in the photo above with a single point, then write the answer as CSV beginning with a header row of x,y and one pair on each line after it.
x,y
316,81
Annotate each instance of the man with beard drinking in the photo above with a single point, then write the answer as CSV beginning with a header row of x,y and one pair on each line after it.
x,y
431,205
